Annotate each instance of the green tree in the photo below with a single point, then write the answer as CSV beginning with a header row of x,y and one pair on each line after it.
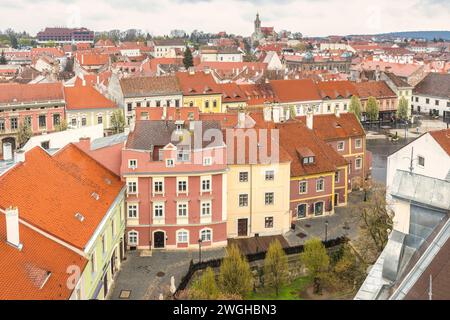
x,y
349,269
13,41
117,121
188,60
355,107
3,58
402,110
205,287
235,276
275,267
316,260
24,134
372,110
62,125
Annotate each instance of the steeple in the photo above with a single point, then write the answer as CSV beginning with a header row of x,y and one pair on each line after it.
x,y
257,23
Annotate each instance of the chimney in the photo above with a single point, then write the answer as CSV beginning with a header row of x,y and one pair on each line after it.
x,y
19,156
164,114
309,119
85,143
337,111
82,58
241,119
12,227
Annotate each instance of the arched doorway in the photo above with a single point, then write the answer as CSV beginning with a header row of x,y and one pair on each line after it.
x,y
159,240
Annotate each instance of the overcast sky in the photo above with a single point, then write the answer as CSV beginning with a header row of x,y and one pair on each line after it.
x,y
311,17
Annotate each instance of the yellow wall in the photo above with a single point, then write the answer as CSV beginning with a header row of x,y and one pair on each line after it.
x,y
91,117
233,105
200,100
257,210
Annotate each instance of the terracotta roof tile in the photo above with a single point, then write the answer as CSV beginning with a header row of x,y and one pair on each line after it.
x,y
13,93
150,86
443,138
376,89
81,97
198,83
295,90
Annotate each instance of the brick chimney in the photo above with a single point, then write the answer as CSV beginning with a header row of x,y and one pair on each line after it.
x,y
12,227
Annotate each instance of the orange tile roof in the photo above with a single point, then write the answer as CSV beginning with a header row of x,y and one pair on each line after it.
x,y
91,59
86,97
443,138
232,93
336,89
295,90
16,93
54,52
49,191
198,83
296,137
258,94
227,120
24,272
376,89
329,127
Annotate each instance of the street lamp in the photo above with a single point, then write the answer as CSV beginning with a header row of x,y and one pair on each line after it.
x,y
200,250
326,230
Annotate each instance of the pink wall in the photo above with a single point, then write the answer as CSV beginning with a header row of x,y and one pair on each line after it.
x,y
110,157
35,118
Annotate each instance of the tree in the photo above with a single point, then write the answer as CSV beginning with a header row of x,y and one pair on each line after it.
x,y
275,266
205,287
375,224
13,41
372,109
402,110
3,58
188,60
62,125
316,261
24,134
235,276
117,121
355,107
348,269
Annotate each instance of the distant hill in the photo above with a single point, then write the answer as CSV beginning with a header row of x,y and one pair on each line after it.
x,y
429,35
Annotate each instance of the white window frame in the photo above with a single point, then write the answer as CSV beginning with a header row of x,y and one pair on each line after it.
x,y
163,205
186,181
210,234
131,165
207,161
239,200
129,182
244,173
182,203
273,198
128,210
323,208
418,162
356,163
170,163
358,141
203,179
269,174
186,232
323,185
299,186
208,204
133,233
343,145
154,183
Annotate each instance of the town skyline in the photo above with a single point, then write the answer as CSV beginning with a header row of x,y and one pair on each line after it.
x,y
158,18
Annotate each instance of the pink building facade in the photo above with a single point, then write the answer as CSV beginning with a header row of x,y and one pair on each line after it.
x,y
176,195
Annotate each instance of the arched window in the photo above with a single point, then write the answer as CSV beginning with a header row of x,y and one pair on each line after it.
x,y
133,238
206,235
182,236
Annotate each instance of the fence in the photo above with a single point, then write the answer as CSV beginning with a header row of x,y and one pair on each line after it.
x,y
215,263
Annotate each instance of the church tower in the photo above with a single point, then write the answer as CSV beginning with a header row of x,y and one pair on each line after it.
x,y
257,24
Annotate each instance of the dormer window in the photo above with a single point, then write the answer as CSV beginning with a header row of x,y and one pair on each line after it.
x,y
170,163
308,160
132,164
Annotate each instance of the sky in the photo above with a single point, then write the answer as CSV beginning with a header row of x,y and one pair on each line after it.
x,y
159,17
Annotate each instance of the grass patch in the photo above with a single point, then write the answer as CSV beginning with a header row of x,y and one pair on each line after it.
x,y
290,291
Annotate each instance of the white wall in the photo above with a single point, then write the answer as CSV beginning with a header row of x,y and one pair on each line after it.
x,y
426,107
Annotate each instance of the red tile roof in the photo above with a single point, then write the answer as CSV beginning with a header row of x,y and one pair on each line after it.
x,y
24,272
49,191
81,97
231,92
336,89
258,94
376,89
227,120
296,138
329,127
443,138
16,93
295,90
198,83
53,52
91,59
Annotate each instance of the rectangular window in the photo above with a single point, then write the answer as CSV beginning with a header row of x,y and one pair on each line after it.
x,y
183,155
207,161
270,174
206,208
243,200
336,176
243,176
320,185
177,103
421,161
358,143
73,122
100,119
83,122
158,186
2,124
268,222
182,186
132,211
132,187
268,198
158,210
132,163
340,146
303,187
182,237
14,124
56,119
206,184
182,209
170,163
129,107
158,103
358,163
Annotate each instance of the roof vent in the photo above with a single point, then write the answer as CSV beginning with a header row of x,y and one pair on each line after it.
x,y
108,181
79,216
95,195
